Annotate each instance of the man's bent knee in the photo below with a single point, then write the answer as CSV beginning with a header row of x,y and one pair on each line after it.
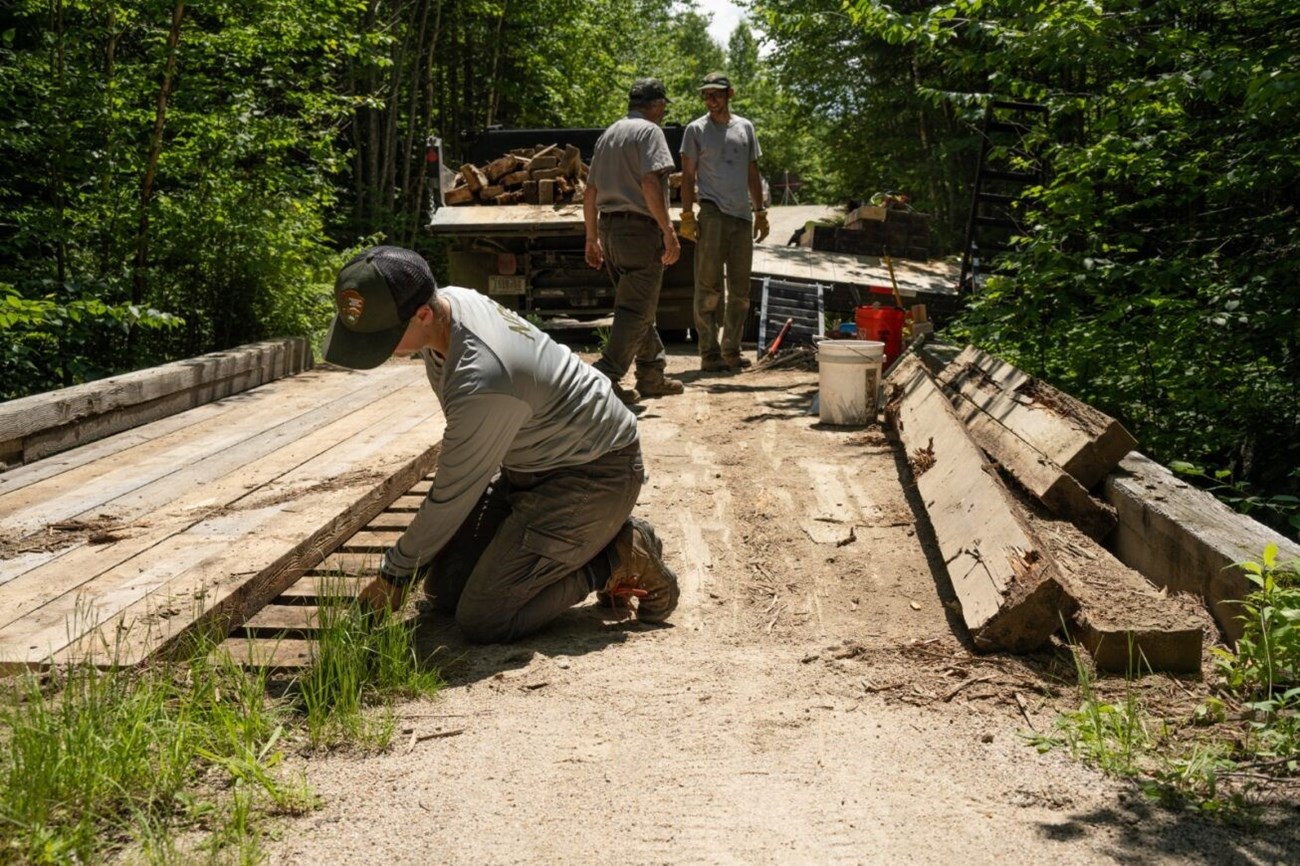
x,y
484,626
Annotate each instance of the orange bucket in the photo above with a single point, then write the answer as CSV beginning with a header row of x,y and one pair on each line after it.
x,y
884,325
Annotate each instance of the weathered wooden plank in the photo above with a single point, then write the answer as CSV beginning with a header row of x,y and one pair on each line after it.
x,y
282,654
139,579
1010,591
190,456
263,556
113,400
1038,475
312,587
82,564
23,475
390,520
300,620
1082,441
348,564
1127,625
371,540
1182,538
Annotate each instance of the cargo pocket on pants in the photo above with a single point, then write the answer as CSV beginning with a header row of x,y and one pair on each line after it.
x,y
557,548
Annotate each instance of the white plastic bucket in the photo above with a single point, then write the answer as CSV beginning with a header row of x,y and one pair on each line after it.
x,y
849,378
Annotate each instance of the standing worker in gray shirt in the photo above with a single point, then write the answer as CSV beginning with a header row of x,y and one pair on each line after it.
x,y
720,155
540,464
625,208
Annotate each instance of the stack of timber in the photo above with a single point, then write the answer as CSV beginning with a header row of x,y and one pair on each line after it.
x,y
983,420
547,174
143,542
876,231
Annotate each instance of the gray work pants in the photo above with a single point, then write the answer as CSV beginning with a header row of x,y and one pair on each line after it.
x,y
634,250
725,243
518,561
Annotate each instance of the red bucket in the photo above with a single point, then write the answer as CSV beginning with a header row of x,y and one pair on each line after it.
x,y
884,325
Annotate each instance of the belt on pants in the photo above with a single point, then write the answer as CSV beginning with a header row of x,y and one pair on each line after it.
x,y
626,214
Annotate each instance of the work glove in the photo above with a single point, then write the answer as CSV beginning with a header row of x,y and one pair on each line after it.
x,y
690,229
386,592
761,228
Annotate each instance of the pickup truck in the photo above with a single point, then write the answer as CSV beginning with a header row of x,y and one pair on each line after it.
x,y
530,257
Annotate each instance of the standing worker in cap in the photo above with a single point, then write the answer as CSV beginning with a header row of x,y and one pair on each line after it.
x,y
625,208
540,464
720,159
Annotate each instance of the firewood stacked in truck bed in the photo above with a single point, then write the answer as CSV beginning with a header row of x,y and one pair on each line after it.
x,y
548,174
545,174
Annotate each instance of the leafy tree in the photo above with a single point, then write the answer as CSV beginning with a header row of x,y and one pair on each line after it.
x,y
1156,279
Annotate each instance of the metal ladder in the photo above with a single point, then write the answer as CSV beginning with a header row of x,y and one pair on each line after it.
x,y
1007,165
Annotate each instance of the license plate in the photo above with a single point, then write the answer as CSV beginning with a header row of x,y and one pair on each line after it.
x,y
501,285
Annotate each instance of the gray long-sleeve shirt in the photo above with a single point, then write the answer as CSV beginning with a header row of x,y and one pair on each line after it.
x,y
512,398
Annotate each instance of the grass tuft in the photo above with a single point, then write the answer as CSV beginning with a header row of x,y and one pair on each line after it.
x,y
94,761
361,659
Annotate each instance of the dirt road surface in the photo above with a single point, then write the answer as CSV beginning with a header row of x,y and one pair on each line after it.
x,y
813,699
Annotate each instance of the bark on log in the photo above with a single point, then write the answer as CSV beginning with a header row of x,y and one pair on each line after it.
x,y
1010,591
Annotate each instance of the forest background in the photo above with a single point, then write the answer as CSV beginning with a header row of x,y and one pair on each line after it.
x,y
180,178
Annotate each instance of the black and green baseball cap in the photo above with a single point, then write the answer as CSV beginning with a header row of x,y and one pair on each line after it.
x,y
715,81
376,294
648,90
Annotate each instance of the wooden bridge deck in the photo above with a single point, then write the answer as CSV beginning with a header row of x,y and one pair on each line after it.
x,y
115,550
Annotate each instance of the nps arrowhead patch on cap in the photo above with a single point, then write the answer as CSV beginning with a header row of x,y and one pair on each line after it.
x,y
352,306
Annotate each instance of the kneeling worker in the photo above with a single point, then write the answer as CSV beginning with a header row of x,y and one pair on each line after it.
x,y
540,464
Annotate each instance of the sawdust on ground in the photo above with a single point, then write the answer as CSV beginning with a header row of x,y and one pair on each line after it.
x,y
813,700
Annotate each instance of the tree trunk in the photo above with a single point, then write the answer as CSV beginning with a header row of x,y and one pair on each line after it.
x,y
155,150
493,92
387,180
60,150
409,145
108,169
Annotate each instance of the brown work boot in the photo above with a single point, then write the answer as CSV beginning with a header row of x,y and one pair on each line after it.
x,y
627,395
713,365
655,384
736,362
638,571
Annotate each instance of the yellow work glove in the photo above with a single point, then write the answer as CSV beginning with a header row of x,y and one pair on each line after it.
x,y
761,228
690,228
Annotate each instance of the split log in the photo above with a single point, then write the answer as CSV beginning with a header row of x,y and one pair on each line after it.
x,y
546,173
1081,440
546,191
1041,478
460,195
571,160
1127,625
1010,591
474,178
515,178
530,192
489,193
500,167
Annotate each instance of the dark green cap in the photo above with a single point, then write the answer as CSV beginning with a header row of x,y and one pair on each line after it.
x,y
648,90
376,294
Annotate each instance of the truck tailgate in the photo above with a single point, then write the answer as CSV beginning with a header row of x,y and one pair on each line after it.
x,y
514,218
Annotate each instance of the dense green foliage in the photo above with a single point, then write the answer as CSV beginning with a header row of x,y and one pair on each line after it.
x,y
184,178
1156,277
